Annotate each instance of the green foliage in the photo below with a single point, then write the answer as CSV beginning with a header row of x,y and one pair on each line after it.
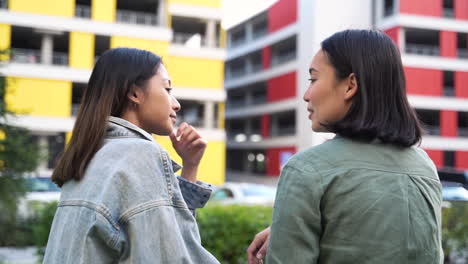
x,y
455,229
17,156
227,231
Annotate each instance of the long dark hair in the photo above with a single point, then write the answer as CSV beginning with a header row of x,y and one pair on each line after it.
x,y
380,108
113,76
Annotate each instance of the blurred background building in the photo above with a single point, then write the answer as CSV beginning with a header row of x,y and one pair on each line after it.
x,y
54,44
268,56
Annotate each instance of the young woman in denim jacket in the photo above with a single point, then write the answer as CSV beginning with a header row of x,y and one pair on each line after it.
x,y
370,195
120,201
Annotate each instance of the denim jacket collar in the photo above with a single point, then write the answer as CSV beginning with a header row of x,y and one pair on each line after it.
x,y
119,127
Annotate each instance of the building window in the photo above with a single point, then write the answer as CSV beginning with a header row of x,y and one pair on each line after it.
x,y
137,12
463,124
283,124
191,112
422,42
462,45
430,120
77,95
283,51
448,10
189,32
238,36
101,45
449,89
389,7
56,145
259,26
83,8
449,159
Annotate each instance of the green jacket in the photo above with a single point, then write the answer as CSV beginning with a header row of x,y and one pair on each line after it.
x,y
346,201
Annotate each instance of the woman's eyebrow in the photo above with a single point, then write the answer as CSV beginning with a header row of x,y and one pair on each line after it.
x,y
312,70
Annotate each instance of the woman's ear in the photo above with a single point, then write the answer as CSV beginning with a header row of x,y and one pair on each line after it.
x,y
352,87
135,95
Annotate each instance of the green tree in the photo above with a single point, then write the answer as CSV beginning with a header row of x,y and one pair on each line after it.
x,y
18,155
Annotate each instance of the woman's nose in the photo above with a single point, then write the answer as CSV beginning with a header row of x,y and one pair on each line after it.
x,y
175,104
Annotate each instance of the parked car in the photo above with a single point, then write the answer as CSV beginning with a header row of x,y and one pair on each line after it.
x,y
244,193
454,185
39,189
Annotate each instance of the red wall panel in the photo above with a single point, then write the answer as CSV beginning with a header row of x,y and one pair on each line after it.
x,y
281,14
461,9
281,87
437,157
448,44
265,126
461,160
266,57
426,7
461,84
448,123
274,159
424,81
393,34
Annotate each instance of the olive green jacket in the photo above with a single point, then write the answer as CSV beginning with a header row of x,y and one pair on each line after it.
x,y
346,201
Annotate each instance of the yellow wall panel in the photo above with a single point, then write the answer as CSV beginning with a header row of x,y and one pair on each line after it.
x,y
81,50
46,7
213,164
5,36
103,10
5,40
195,72
155,46
206,3
39,97
222,38
221,108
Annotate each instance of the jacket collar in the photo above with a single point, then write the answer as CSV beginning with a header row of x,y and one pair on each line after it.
x,y
123,128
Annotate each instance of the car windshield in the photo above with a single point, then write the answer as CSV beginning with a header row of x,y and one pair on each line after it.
x,y
259,191
41,185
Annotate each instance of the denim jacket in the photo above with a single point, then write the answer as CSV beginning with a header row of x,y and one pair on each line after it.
x,y
129,207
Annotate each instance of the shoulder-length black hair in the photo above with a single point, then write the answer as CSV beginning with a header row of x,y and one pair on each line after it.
x,y
113,76
380,108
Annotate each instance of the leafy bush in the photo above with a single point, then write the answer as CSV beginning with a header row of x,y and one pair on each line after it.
x,y
455,230
227,231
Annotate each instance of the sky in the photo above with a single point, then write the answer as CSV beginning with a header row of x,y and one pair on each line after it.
x,y
235,11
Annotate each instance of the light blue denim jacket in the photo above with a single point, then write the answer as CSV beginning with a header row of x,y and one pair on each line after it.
x,y
129,207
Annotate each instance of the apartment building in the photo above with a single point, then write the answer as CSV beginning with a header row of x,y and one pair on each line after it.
x,y
432,38
268,56
55,43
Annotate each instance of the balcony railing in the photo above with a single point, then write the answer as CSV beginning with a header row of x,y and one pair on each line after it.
x,y
34,56
448,12
463,132
432,130
449,91
276,60
192,40
462,53
83,11
135,17
388,12
422,49
60,58
25,56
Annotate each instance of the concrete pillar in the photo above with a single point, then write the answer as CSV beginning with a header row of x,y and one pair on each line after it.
x,y
402,40
162,15
44,152
209,115
210,33
47,48
249,31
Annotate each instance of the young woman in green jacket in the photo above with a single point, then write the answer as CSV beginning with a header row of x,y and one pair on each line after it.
x,y
370,195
